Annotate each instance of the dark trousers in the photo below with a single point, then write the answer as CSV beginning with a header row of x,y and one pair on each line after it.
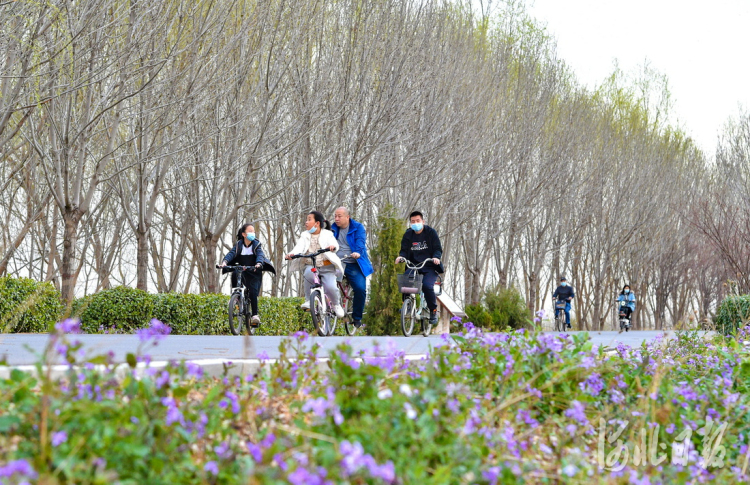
x,y
252,280
429,277
358,283
627,311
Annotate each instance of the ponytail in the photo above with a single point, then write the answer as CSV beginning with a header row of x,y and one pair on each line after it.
x,y
324,224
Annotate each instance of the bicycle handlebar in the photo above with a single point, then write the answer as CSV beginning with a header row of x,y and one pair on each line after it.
x,y
254,268
415,266
316,253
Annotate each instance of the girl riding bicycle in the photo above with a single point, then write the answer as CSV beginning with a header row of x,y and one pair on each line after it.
x,y
248,252
318,236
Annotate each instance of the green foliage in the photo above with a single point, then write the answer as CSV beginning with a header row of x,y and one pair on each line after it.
x,y
733,313
124,310
27,305
487,409
501,308
384,307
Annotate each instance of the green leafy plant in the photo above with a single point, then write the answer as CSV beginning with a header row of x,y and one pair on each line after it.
x,y
500,309
27,305
732,314
521,407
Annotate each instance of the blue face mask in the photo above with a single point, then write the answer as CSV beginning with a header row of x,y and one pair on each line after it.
x,y
312,230
250,236
417,227
627,291
564,283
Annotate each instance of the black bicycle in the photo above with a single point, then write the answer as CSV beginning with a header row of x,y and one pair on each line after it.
x,y
239,306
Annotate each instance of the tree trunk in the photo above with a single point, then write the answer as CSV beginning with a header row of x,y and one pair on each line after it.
x,y
141,236
69,270
211,274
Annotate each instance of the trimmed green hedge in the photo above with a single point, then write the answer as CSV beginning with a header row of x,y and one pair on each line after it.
x,y
733,312
27,305
124,310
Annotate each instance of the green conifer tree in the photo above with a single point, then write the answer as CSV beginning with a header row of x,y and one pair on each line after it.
x,y
384,307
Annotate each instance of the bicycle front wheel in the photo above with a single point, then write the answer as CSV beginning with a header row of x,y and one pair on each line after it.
x,y
407,317
235,310
425,321
560,321
317,313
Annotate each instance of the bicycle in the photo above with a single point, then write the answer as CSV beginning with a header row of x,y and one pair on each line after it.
x,y
238,304
321,310
415,306
560,315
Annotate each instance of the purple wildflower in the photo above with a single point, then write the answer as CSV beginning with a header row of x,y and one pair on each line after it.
x,y
69,325
592,385
156,331
59,438
577,411
212,467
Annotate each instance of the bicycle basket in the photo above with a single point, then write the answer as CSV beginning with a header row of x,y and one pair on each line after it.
x,y
560,304
409,283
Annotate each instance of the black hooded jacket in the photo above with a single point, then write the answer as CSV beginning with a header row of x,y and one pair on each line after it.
x,y
260,256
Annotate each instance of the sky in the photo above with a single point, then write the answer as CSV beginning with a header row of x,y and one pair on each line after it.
x,y
702,47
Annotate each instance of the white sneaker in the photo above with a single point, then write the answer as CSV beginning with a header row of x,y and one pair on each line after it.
x,y
255,321
305,306
339,311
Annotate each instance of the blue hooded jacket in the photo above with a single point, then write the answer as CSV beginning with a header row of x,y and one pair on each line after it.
x,y
357,240
629,300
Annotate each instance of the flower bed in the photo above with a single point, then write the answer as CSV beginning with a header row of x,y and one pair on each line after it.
x,y
483,408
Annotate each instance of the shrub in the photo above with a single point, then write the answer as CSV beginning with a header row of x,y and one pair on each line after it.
x,y
384,307
502,308
27,305
124,310
733,312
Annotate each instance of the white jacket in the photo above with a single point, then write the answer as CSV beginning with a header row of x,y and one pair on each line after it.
x,y
325,239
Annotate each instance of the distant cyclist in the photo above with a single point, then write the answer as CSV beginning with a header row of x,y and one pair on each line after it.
x,y
565,293
628,298
248,252
420,243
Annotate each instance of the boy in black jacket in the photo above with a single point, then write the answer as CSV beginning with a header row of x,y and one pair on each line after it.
x,y
420,243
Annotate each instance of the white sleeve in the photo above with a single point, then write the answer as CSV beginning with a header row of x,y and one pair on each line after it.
x,y
301,245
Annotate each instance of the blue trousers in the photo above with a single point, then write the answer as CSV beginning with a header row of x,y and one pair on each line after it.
x,y
358,282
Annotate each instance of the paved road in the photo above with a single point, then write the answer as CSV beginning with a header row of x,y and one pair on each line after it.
x,y
23,349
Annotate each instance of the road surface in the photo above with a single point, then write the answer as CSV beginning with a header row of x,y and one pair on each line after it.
x,y
24,349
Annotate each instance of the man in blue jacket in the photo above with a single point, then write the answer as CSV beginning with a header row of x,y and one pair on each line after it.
x,y
352,240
